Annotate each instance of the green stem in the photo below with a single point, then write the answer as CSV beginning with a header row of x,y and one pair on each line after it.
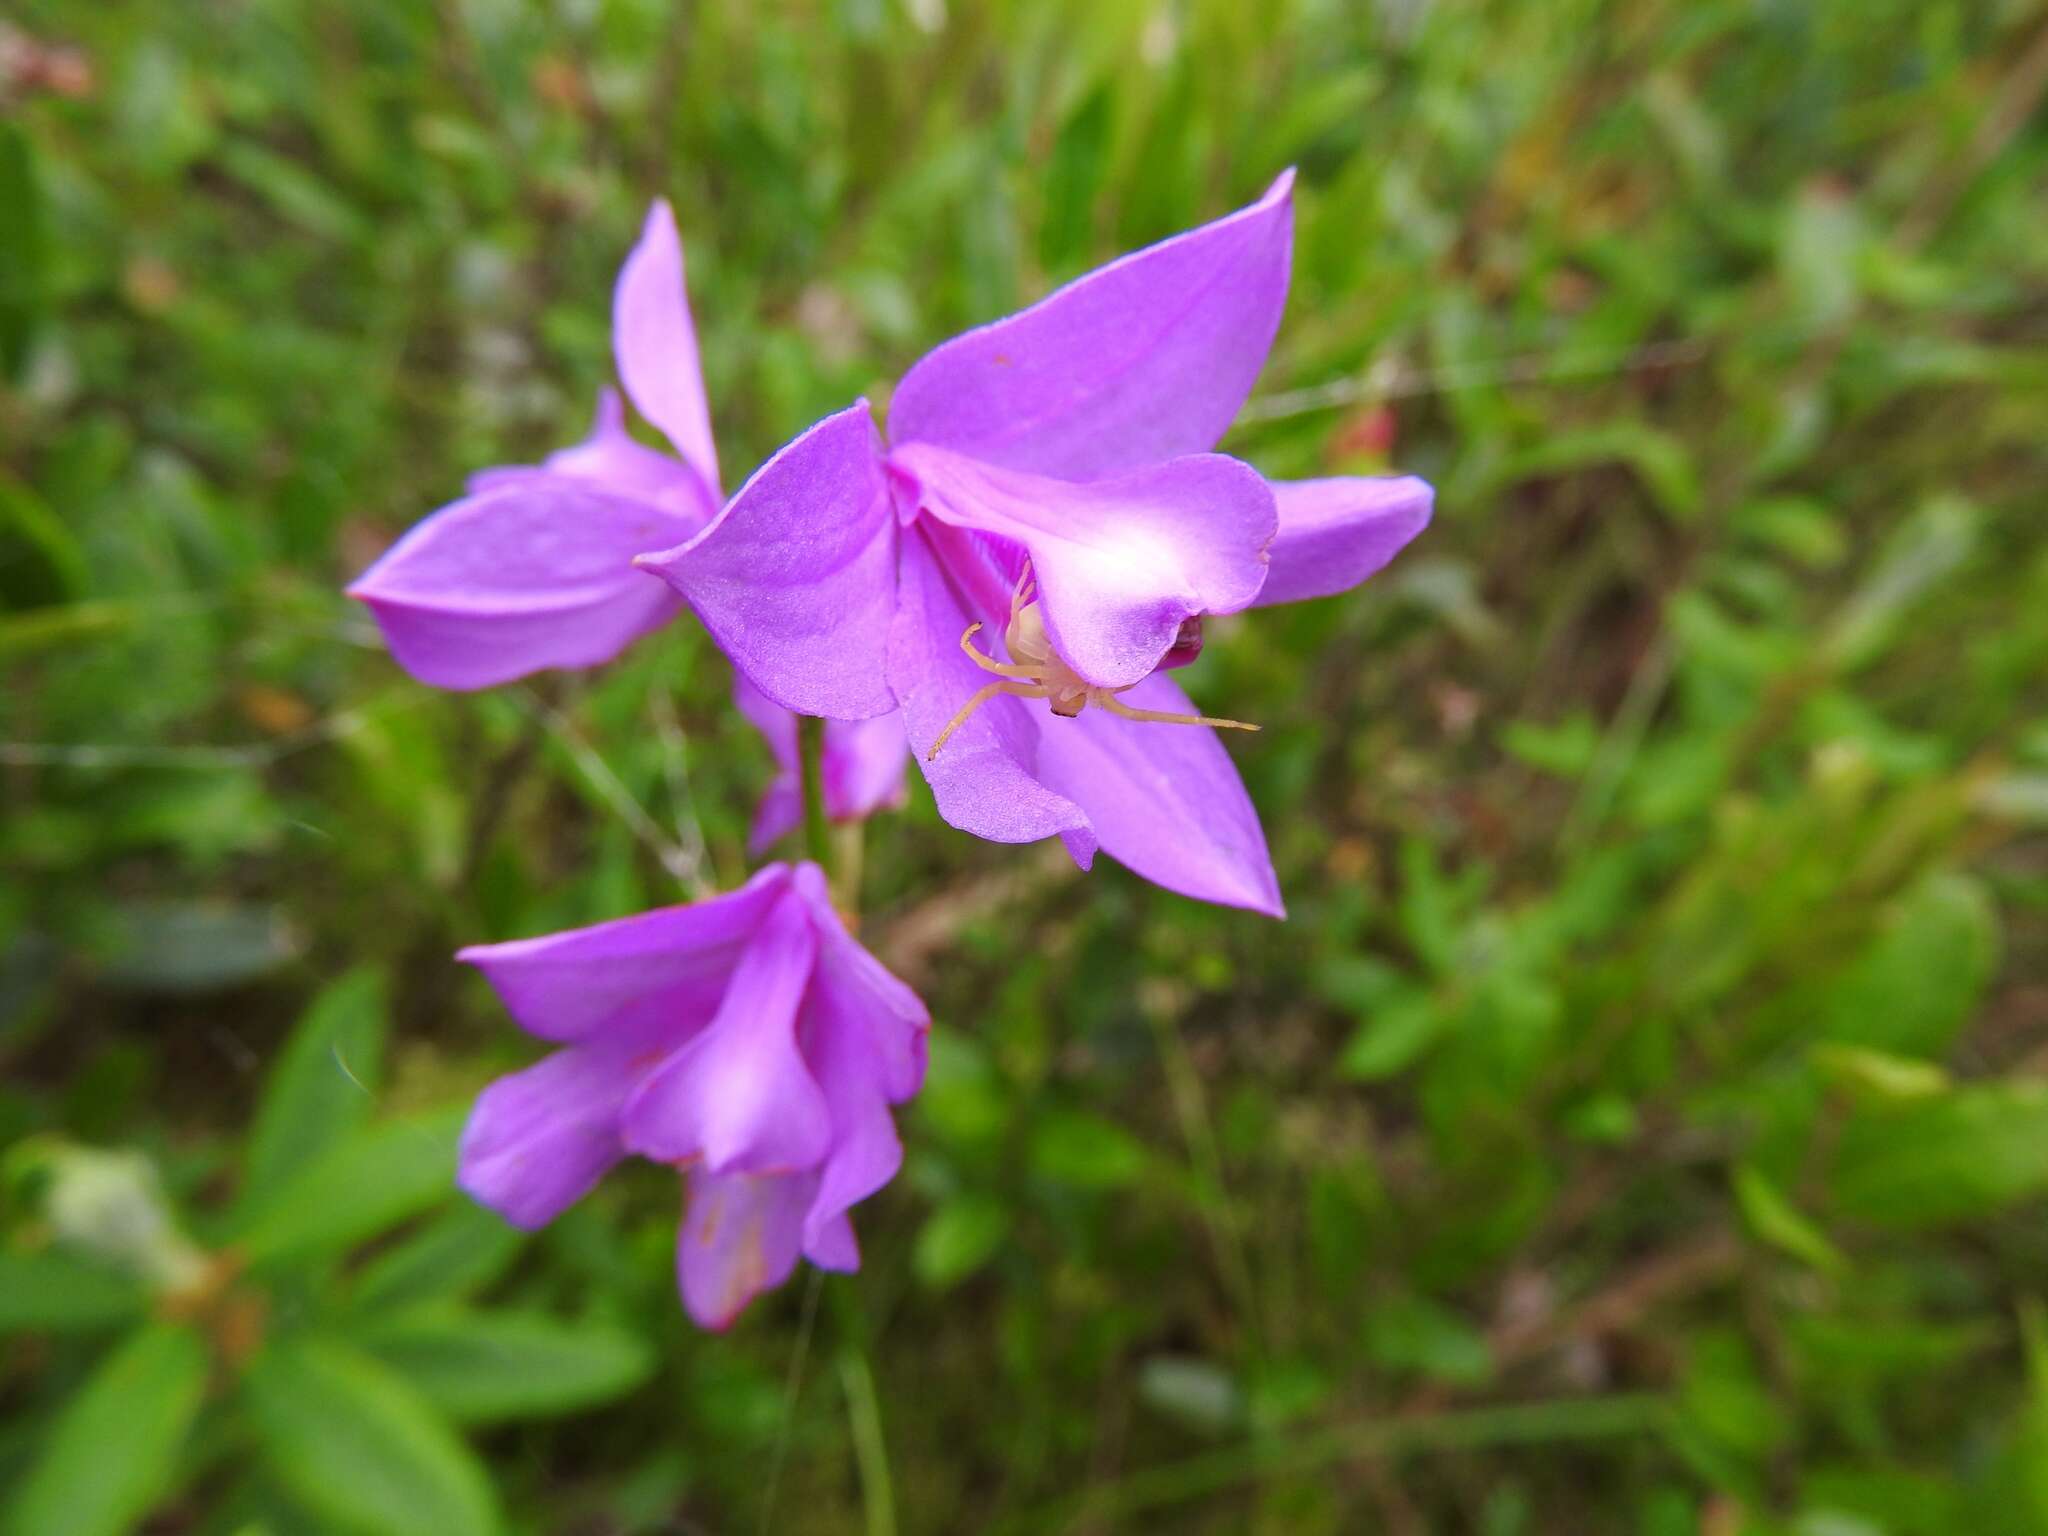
x,y
834,849
810,751
870,1449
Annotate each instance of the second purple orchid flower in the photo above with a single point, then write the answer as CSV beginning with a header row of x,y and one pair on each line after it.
x,y
533,569
747,1040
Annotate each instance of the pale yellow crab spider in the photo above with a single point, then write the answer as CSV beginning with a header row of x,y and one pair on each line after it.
x,y
1039,673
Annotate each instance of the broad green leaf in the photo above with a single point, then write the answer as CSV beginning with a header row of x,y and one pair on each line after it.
x,y
1432,905
964,1100
181,945
1920,980
362,1449
1413,1333
113,1451
1777,1221
1085,1150
477,1367
1878,1076
1565,749
451,1257
1392,1036
1724,1399
55,1293
1890,1498
1937,1160
324,1083
960,1237
371,1180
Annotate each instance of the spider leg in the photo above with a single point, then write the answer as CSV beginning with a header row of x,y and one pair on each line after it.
x,y
989,663
1019,690
1020,595
1119,708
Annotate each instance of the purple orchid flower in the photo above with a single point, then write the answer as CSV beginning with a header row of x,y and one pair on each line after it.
x,y
748,1040
533,569
1047,482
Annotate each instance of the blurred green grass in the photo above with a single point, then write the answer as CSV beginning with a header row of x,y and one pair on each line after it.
x,y
1640,1122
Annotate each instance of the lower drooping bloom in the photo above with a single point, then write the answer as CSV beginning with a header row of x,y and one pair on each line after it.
x,y
533,568
1047,482
749,1041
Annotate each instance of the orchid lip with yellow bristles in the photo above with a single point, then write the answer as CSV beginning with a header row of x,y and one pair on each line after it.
x,y
1042,673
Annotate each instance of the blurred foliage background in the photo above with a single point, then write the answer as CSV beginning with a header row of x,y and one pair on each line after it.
x,y
1641,1124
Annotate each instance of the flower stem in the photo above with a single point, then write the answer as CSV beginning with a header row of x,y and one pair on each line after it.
x,y
834,849
810,751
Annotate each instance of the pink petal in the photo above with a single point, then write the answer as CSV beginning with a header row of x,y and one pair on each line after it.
x,y
740,1237
864,1040
982,780
613,460
853,991
865,1152
535,572
782,805
1165,800
864,763
1120,563
656,345
538,1140
866,1155
738,1095
829,1242
796,578
620,977
1145,359
1335,533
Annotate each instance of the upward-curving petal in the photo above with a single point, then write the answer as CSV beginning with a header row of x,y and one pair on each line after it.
x,y
1145,359
655,343
663,968
1335,533
796,578
738,1095
1165,800
1120,563
614,460
535,572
